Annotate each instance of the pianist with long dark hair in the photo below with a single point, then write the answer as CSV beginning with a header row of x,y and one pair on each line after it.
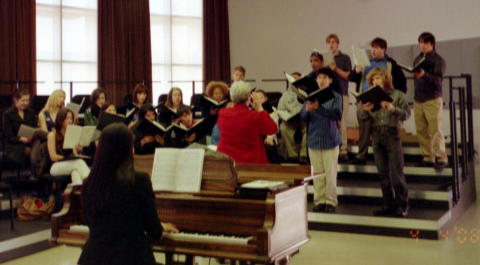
x,y
119,205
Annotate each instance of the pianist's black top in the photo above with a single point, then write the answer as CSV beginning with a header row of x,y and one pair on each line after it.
x,y
121,234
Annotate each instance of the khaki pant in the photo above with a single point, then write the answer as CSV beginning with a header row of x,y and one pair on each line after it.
x,y
428,122
325,188
343,125
288,148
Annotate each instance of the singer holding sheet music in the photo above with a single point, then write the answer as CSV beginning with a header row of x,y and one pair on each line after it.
x,y
215,98
387,146
242,130
18,148
181,138
293,132
139,98
77,168
428,102
323,142
168,113
145,143
92,114
359,76
341,67
119,205
47,116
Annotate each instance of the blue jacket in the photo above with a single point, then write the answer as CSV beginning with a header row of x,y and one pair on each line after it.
x,y
323,130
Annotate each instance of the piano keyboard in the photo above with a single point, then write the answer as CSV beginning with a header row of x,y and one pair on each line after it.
x,y
207,238
193,237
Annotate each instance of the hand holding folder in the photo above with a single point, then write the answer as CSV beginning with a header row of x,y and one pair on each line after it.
x,y
374,95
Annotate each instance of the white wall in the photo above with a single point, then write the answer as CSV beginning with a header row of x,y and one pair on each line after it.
x,y
272,36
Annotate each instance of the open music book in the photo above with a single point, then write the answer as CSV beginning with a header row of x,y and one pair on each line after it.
x,y
197,128
26,131
360,57
213,103
374,95
109,118
177,169
79,135
153,128
413,69
307,88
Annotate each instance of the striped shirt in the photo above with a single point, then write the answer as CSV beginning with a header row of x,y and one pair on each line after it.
x,y
323,131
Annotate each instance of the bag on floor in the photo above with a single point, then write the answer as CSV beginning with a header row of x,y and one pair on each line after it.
x,y
32,208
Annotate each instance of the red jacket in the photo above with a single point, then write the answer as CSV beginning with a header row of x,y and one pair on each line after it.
x,y
242,132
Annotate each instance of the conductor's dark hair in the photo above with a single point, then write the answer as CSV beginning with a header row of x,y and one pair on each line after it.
x,y
144,109
427,37
379,42
112,173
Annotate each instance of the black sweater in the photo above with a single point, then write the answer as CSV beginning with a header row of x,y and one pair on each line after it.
x,y
120,235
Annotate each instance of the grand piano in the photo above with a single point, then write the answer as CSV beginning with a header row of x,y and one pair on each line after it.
x,y
214,222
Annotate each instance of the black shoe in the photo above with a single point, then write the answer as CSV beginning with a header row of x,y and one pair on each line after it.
x,y
385,211
343,158
319,208
329,208
402,211
424,164
439,164
357,161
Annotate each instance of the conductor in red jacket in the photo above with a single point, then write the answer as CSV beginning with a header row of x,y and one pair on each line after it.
x,y
242,130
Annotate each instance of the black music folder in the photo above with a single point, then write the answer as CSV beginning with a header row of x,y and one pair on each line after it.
x,y
374,95
413,69
213,104
166,115
153,128
307,88
199,128
108,118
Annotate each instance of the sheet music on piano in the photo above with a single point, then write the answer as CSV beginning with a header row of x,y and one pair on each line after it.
x,y
177,169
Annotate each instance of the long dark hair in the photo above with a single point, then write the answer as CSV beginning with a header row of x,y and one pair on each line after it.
x,y
94,108
140,88
169,102
59,120
112,172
